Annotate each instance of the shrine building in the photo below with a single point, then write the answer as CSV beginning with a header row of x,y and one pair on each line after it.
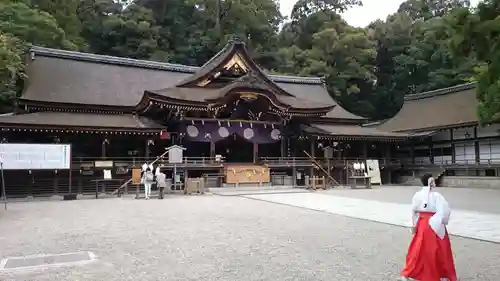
x,y
451,144
126,112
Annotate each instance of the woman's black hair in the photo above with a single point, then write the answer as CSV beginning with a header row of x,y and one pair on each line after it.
x,y
148,169
425,179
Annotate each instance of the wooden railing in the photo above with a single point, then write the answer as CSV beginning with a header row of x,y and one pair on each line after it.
x,y
451,163
138,161
197,161
293,161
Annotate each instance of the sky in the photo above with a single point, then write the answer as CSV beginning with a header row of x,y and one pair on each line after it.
x,y
361,16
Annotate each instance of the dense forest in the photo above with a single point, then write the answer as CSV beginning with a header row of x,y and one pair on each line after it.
x,y
424,45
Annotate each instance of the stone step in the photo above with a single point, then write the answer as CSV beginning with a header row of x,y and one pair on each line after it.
x,y
436,173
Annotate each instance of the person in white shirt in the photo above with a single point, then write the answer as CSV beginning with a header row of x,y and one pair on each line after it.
x,y
161,182
148,179
429,255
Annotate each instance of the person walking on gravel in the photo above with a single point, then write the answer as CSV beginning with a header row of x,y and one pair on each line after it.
x,y
429,255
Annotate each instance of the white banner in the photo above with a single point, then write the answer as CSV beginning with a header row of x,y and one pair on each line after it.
x,y
373,171
30,156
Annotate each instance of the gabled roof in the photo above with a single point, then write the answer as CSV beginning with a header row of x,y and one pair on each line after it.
x,y
216,96
234,54
444,108
74,78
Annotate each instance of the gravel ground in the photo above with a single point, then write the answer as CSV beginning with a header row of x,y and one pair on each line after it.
x,y
475,199
215,238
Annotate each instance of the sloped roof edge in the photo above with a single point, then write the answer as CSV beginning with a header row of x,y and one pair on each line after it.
x,y
442,108
439,92
64,54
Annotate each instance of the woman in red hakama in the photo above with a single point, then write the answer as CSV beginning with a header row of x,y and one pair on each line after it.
x,y
429,256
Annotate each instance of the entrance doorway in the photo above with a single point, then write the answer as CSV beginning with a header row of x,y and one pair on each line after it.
x,y
235,149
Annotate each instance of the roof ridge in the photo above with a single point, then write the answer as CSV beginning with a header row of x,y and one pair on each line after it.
x,y
63,54
111,59
442,91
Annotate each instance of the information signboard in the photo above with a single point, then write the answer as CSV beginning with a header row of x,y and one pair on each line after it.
x,y
373,171
29,156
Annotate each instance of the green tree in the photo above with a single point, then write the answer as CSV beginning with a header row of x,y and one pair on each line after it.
x,y
189,32
129,33
11,69
65,14
427,9
305,8
327,46
478,33
413,55
32,26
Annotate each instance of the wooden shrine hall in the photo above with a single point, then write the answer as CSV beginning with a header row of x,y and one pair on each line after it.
x,y
452,144
125,112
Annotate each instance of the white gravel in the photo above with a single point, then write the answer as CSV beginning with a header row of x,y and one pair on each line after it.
x,y
215,238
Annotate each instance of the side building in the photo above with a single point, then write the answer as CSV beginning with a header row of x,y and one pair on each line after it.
x,y
448,139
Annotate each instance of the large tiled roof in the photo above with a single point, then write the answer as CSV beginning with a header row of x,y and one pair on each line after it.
x,y
448,107
59,76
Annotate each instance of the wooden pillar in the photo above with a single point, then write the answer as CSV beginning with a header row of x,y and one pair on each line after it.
x,y
431,146
104,144
476,146
288,148
412,151
80,183
313,147
282,147
147,151
388,155
30,183
186,178
55,179
255,152
364,152
476,149
388,151
212,149
56,182
453,154
313,155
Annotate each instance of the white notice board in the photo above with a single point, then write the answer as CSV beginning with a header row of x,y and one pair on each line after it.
x,y
175,154
31,156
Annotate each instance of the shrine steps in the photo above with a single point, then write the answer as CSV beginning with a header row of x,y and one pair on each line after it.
x,y
436,172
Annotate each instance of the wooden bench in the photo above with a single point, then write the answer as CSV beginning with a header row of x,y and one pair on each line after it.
x,y
366,180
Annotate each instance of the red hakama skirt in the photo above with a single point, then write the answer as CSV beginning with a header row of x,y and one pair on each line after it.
x,y
429,258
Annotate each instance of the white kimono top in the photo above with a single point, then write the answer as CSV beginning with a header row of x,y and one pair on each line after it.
x,y
427,200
